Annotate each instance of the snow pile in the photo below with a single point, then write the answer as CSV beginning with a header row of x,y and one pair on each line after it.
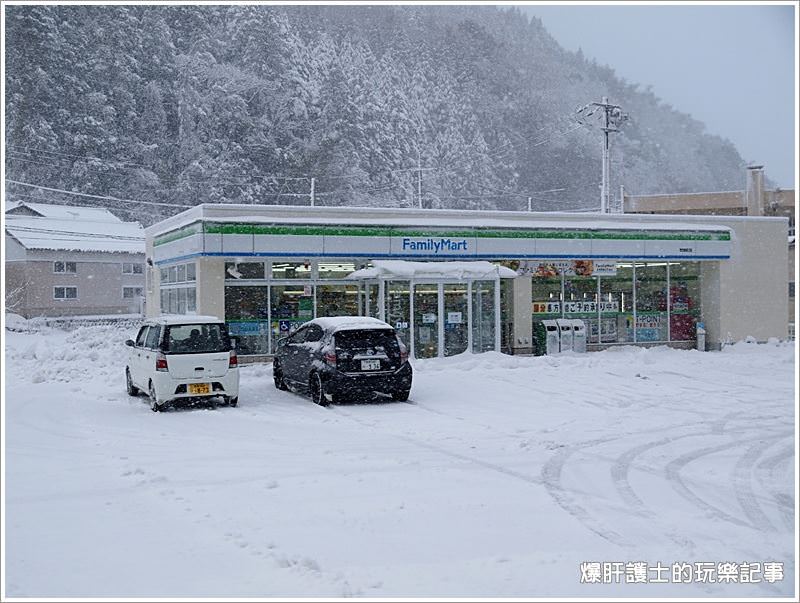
x,y
88,353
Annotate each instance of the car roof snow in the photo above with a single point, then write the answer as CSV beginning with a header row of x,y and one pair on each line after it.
x,y
348,323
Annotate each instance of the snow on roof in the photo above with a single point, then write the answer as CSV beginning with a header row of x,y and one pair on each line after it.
x,y
436,218
345,323
67,212
408,269
76,235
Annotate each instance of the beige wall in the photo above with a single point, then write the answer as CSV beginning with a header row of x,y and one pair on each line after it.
x,y
729,202
746,295
211,287
99,286
523,318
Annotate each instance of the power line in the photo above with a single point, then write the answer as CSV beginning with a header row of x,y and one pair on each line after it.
x,y
105,198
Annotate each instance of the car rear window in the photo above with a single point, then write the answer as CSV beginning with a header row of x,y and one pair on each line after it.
x,y
197,339
363,339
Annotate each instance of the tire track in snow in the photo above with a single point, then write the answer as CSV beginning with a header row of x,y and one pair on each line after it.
x,y
552,476
673,470
784,502
743,486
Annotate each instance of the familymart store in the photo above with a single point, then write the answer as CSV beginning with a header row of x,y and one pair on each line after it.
x,y
454,281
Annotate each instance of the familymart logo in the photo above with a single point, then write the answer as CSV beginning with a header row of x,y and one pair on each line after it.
x,y
434,245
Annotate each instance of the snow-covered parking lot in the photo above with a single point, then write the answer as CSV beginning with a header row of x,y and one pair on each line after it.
x,y
498,478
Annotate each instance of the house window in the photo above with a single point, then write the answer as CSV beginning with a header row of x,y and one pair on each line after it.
x,y
131,292
132,268
65,267
65,293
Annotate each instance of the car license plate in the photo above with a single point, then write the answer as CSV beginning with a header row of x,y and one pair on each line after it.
x,y
199,388
370,365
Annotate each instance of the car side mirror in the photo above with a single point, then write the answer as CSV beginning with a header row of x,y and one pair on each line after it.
x,y
129,342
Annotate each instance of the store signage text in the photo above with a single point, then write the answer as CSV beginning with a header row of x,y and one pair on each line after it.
x,y
434,245
574,307
568,268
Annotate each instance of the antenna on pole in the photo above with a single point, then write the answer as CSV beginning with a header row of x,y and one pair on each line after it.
x,y
612,119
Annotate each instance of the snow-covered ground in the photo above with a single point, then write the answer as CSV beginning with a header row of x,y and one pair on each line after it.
x,y
498,478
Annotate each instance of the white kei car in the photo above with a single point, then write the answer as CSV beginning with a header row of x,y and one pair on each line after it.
x,y
176,357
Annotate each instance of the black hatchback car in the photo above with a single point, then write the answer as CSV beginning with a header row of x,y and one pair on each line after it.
x,y
343,358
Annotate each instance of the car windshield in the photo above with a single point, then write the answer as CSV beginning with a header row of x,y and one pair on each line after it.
x,y
196,339
364,339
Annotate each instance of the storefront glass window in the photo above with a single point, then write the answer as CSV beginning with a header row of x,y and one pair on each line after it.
x,y
337,300
546,296
616,306
651,302
398,307
335,269
244,270
684,299
373,290
246,315
580,301
292,305
482,316
291,270
455,319
426,320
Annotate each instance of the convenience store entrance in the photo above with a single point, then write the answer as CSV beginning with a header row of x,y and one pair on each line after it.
x,y
438,308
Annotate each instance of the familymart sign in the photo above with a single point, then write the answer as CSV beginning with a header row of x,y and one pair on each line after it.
x,y
209,238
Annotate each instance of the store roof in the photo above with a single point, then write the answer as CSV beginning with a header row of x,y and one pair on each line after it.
x,y
435,218
403,269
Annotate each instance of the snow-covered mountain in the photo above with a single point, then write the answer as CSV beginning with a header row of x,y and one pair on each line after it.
x,y
180,105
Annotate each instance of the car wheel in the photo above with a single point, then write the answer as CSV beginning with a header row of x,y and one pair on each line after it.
x,y
277,376
318,390
401,395
132,390
233,401
154,405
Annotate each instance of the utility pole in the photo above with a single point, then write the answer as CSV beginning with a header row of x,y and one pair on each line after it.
x,y
312,192
419,179
613,118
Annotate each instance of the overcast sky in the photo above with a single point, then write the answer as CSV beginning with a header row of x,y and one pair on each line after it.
x,y
731,67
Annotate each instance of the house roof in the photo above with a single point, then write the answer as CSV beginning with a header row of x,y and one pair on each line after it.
x,y
61,212
64,227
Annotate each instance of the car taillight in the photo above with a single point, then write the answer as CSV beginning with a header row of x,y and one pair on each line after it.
x,y
403,350
161,362
234,361
330,358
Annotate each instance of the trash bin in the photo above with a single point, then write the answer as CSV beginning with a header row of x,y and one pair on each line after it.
x,y
553,340
701,336
565,333
578,335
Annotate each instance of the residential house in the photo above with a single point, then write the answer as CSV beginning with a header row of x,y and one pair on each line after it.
x,y
63,260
